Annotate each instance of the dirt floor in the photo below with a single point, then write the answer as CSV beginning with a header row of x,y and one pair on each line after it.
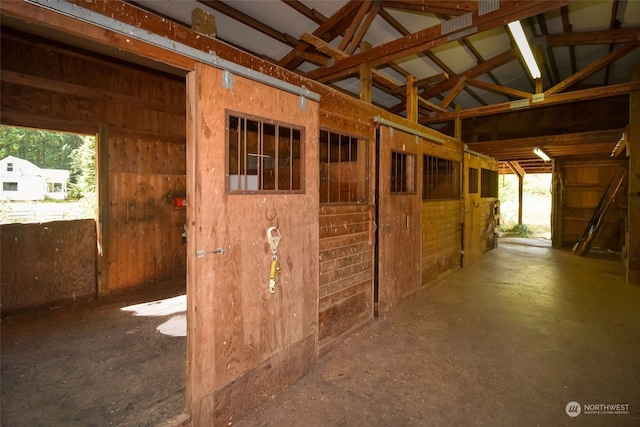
x,y
92,365
510,340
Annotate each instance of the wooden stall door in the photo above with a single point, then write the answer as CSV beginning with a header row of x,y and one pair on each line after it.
x,y
399,218
244,342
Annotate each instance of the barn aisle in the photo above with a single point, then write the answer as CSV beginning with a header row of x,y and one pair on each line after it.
x,y
510,340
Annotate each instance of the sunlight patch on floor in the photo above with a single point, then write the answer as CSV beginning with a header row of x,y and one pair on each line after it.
x,y
176,326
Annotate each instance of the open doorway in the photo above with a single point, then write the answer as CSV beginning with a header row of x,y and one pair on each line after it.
x,y
46,175
530,217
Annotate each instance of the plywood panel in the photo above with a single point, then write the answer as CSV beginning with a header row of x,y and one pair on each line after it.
x,y
584,183
237,328
46,263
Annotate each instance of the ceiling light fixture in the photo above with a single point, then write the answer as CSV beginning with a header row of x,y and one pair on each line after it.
x,y
521,40
540,153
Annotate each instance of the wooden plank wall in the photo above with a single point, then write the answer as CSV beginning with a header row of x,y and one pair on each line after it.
x,y
441,226
35,274
346,247
441,238
57,87
346,270
584,183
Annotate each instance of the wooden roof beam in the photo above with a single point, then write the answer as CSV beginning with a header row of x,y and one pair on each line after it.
x,y
442,7
516,168
542,22
402,30
311,14
426,82
589,38
362,29
594,137
476,71
322,46
433,37
351,30
502,90
592,68
568,29
455,91
555,99
327,31
250,22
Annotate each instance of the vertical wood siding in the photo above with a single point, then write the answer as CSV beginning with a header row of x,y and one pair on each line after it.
x,y
55,87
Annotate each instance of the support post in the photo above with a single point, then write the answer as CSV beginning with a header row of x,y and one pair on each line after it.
x,y
366,94
633,147
412,99
458,125
520,197
103,214
556,203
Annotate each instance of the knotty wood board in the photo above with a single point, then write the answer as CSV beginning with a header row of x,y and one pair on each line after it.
x,y
235,324
47,263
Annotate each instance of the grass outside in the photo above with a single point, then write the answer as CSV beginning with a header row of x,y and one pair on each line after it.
x,y
536,205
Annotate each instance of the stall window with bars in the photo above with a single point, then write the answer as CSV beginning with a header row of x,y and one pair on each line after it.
x,y
403,172
473,181
441,179
343,168
263,156
488,183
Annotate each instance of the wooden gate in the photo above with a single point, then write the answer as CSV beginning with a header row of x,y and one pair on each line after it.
x,y
399,217
252,164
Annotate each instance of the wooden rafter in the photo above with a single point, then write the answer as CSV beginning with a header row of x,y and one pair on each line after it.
x,y
591,37
323,46
362,29
432,56
555,73
431,38
580,143
455,91
568,28
592,68
556,99
478,70
250,22
312,14
357,20
516,168
327,31
502,90
442,7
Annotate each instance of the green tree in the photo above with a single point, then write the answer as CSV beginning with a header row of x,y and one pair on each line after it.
x,y
45,149
83,169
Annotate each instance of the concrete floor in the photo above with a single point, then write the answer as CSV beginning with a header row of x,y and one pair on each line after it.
x,y
510,340
507,341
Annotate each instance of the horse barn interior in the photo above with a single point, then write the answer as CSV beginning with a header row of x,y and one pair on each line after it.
x,y
329,160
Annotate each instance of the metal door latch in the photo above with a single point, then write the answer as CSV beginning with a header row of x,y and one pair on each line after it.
x,y
218,251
